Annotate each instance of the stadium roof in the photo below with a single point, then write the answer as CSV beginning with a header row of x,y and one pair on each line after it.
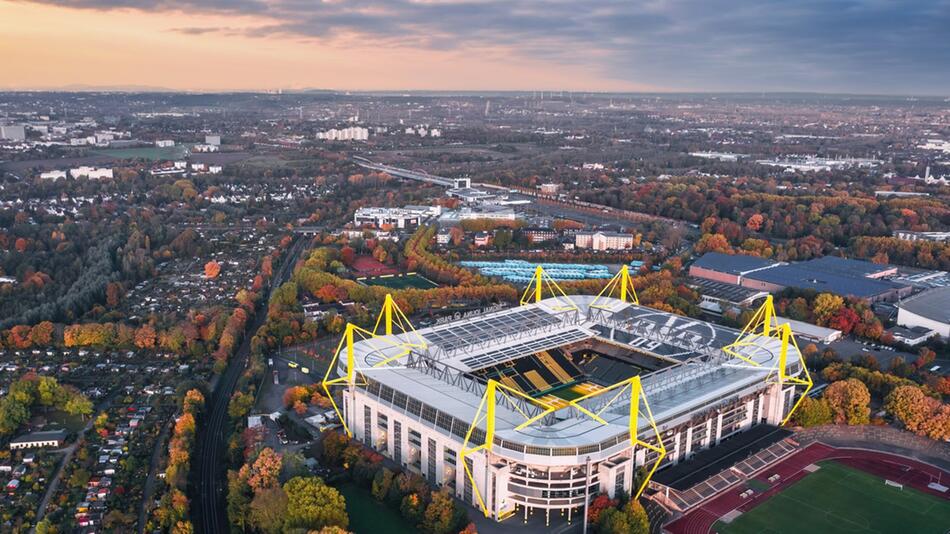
x,y
724,291
807,276
733,263
933,304
440,375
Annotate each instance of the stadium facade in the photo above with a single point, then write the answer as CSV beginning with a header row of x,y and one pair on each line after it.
x,y
540,407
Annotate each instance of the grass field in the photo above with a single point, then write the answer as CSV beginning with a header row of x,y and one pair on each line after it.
x,y
401,282
152,152
839,499
367,515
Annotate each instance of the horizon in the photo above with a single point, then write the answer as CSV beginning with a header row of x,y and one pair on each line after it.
x,y
480,45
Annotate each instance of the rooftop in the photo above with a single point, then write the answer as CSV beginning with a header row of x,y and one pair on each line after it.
x,y
733,263
723,290
933,304
806,276
440,374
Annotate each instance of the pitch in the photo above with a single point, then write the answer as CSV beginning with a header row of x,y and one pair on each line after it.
x,y
837,498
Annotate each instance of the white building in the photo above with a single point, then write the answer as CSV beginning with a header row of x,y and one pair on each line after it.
x,y
205,148
424,406
47,438
407,217
164,143
213,140
13,132
352,133
929,309
908,235
53,175
90,172
603,240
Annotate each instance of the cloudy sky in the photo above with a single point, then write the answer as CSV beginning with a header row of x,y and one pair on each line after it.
x,y
857,46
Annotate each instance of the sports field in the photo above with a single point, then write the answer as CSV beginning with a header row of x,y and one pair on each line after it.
x,y
405,281
837,498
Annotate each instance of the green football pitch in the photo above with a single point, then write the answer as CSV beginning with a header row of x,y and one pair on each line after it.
x,y
839,499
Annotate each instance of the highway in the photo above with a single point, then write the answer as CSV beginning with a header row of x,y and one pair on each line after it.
x,y
209,512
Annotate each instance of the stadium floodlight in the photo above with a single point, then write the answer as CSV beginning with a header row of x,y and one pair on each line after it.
x,y
535,291
619,288
629,389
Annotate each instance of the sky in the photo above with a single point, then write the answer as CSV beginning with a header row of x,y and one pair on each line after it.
x,y
841,46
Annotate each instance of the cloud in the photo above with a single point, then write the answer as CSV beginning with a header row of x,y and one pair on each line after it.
x,y
863,46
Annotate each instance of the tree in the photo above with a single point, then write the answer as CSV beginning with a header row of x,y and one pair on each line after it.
x,y
265,470
268,509
442,516
919,413
212,269
755,222
849,401
826,305
240,405
412,508
78,404
813,412
637,517
381,483
613,521
12,415
713,243
600,503
311,504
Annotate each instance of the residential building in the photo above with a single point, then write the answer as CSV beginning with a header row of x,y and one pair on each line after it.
x,y
13,132
907,235
603,240
46,438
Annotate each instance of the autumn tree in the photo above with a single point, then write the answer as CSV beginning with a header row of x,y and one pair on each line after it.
x,y
443,515
812,412
849,401
212,269
311,504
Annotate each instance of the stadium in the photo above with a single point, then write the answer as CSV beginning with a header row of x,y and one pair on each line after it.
x,y
540,407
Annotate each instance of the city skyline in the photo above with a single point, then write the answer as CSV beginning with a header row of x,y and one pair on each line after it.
x,y
842,47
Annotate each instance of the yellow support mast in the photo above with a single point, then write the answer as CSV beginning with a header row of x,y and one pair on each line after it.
x,y
535,291
485,414
620,287
764,325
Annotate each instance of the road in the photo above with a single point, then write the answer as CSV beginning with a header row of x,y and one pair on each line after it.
x,y
208,507
157,452
54,483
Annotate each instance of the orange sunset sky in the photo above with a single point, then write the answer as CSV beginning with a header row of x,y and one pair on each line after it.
x,y
48,47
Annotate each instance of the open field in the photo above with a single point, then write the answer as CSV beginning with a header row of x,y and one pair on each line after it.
x,y
837,498
151,152
405,281
367,515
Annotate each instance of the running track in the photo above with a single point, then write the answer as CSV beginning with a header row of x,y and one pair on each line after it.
x,y
899,469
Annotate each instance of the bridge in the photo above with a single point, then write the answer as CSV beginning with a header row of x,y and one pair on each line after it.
x,y
419,176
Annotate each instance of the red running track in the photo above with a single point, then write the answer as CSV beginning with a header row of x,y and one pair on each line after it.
x,y
888,466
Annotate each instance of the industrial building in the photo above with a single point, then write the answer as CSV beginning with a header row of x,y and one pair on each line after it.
x,y
929,309
407,217
830,274
541,407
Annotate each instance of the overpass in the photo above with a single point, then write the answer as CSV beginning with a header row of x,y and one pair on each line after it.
x,y
419,176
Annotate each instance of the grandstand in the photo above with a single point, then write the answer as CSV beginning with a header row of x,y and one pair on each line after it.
x,y
542,406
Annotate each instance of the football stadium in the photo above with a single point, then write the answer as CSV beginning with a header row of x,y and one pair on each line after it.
x,y
540,407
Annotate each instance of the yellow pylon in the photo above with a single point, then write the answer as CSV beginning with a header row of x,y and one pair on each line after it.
x,y
619,287
354,378
486,414
535,291
761,326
